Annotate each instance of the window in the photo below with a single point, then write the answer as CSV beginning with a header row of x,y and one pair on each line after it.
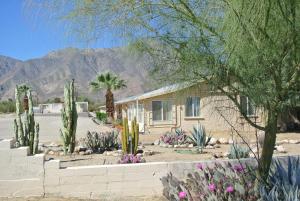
x,y
162,110
192,107
247,108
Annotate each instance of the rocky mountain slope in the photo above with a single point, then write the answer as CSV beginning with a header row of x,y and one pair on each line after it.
x,y
47,75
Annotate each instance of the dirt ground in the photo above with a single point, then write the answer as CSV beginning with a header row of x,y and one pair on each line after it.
x,y
167,154
75,199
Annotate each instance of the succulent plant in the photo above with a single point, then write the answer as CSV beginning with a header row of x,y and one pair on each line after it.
x,y
238,151
199,137
130,140
100,142
131,158
176,138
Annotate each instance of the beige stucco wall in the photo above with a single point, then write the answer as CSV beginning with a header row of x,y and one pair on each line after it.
x,y
217,112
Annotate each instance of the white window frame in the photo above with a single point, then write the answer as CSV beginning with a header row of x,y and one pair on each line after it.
x,y
162,110
248,104
193,106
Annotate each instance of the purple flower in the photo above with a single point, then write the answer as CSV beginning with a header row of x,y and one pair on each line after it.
x,y
200,166
182,195
239,168
229,189
212,187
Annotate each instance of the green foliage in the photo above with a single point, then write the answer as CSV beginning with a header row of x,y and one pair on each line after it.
x,y
238,151
69,118
199,137
130,140
213,183
25,128
101,116
7,106
101,142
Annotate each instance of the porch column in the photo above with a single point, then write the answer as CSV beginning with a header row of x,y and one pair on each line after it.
x,y
137,112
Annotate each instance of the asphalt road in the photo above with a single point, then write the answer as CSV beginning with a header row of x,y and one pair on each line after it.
x,y
49,127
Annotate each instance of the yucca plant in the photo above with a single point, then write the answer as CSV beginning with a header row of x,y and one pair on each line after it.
x,y
199,137
237,151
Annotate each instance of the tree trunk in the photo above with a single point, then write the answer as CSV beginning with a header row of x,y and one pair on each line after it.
x,y
110,107
268,147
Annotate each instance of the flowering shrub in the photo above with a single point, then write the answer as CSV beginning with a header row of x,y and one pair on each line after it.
x,y
130,158
176,138
217,183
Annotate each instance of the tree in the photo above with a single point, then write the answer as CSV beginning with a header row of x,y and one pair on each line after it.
x,y
109,82
239,47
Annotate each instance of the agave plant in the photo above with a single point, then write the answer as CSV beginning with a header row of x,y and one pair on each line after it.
x,y
199,137
237,151
284,181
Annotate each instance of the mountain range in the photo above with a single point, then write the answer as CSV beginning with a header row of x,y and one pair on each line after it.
x,y
47,75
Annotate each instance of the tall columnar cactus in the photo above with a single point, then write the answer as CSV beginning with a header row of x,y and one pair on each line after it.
x,y
25,127
125,136
69,119
134,135
130,140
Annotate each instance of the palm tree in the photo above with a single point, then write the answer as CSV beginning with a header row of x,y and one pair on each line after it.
x,y
110,82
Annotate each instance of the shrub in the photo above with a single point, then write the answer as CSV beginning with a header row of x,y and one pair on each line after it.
x,y
7,106
284,181
131,158
100,142
199,138
237,151
216,183
101,116
174,138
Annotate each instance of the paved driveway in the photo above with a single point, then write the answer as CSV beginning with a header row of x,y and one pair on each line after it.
x,y
49,127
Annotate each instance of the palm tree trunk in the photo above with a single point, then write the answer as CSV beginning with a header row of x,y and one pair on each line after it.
x,y
110,107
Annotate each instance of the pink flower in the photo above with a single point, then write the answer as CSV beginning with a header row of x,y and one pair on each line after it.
x,y
212,187
239,168
229,189
199,166
182,195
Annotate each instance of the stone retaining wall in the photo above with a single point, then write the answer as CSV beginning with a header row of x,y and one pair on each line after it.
x,y
23,175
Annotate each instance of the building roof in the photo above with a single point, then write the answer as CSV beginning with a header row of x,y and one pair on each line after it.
x,y
157,92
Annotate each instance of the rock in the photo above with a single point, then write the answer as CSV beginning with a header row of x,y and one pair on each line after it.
x,y
148,153
230,141
139,155
82,153
294,141
170,146
212,141
217,146
225,154
223,141
176,146
61,153
209,147
157,142
141,147
88,152
190,146
50,152
182,146
79,149
280,149
217,155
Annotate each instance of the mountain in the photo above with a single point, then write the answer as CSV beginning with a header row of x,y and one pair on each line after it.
x,y
47,75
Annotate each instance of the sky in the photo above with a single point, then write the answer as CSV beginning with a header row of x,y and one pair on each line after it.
x,y
24,37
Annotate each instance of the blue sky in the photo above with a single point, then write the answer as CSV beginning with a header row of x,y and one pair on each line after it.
x,y
24,37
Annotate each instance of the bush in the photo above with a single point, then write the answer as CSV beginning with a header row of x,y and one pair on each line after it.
x,y
101,116
176,138
217,183
100,142
7,107
237,151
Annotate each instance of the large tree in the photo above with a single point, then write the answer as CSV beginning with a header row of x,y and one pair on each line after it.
x,y
240,47
109,82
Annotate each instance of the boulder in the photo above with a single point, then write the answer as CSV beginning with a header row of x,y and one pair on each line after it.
x,y
212,141
157,142
294,141
225,154
209,147
190,146
223,141
280,149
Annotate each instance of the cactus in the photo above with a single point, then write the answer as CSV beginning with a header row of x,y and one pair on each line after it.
x,y
130,145
69,119
134,136
25,127
125,136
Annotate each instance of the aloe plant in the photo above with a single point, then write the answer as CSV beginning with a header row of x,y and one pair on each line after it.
x,y
237,151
